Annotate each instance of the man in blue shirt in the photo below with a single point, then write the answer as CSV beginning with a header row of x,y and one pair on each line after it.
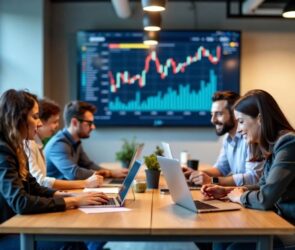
x,y
65,157
233,166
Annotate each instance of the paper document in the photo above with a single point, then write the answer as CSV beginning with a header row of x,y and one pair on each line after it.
x,y
95,210
107,190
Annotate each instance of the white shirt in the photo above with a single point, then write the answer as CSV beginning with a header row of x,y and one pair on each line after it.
x,y
34,152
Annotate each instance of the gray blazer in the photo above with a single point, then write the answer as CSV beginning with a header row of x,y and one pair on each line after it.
x,y
276,190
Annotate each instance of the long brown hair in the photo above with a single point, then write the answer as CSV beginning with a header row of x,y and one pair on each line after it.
x,y
15,106
273,121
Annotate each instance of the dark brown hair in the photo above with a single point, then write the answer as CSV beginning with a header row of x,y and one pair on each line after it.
x,y
273,121
77,109
15,106
47,108
229,96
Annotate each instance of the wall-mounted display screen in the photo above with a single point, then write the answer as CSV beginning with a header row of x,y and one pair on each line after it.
x,y
172,84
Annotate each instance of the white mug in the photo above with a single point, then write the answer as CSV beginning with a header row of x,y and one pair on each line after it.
x,y
184,157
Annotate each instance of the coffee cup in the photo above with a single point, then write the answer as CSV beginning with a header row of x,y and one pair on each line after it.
x,y
139,186
193,164
184,157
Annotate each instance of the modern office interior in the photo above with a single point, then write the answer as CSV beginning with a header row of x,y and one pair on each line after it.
x,y
39,51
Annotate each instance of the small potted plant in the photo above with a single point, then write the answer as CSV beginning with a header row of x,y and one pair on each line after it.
x,y
126,152
153,168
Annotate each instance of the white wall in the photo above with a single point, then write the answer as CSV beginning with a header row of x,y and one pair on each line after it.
x,y
268,59
269,63
21,45
268,55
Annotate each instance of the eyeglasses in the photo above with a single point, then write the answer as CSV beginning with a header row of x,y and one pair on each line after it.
x,y
90,123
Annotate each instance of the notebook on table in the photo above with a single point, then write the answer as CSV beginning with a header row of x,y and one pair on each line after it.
x,y
181,194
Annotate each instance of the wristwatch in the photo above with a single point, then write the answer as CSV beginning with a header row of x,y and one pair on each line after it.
x,y
214,180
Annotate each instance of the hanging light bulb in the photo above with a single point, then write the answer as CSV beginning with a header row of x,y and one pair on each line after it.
x,y
152,21
289,10
153,5
151,38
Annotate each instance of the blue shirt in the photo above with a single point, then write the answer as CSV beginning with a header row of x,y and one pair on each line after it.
x,y
234,158
66,159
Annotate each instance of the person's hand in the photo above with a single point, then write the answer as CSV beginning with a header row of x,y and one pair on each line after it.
x,y
104,172
212,191
235,195
86,199
187,172
199,178
120,173
94,180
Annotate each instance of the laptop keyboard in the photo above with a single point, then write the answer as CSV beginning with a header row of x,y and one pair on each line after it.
x,y
191,184
202,205
117,181
111,202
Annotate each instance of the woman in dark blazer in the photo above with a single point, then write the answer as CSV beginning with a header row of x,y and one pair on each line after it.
x,y
19,191
272,138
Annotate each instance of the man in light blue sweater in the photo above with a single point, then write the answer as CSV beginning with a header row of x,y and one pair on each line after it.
x,y
65,156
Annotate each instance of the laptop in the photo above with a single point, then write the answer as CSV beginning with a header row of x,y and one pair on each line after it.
x,y
168,154
118,201
119,181
181,194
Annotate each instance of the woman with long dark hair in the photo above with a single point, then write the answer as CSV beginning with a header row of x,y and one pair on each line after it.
x,y
19,191
271,136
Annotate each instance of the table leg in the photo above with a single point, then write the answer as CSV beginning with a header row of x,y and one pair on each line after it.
x,y
27,242
265,243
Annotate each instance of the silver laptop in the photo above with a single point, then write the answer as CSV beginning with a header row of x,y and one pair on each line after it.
x,y
168,154
167,150
115,182
181,194
118,201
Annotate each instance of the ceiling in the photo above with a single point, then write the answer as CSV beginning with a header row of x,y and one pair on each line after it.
x,y
235,8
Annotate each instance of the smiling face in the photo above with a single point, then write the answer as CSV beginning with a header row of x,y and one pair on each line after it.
x,y
33,122
248,127
49,127
221,117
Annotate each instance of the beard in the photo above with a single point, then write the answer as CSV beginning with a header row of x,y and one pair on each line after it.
x,y
226,127
83,135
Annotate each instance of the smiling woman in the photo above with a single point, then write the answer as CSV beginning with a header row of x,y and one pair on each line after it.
x,y
263,123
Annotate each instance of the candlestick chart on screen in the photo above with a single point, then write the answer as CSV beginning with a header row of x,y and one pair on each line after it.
x,y
171,84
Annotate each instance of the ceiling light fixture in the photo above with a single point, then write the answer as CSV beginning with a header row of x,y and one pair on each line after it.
x,y
289,10
151,38
153,5
152,21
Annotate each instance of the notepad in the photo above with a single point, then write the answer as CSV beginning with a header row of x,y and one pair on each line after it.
x,y
107,190
95,209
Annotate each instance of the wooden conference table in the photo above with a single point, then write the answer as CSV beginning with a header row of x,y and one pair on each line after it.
x,y
153,218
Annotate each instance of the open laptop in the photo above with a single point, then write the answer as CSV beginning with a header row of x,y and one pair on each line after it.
x,y
168,154
118,201
119,181
181,194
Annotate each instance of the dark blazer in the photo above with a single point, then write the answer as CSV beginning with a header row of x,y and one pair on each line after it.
x,y
276,190
22,197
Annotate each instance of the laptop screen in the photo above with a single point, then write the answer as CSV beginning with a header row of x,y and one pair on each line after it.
x,y
136,155
167,150
128,180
